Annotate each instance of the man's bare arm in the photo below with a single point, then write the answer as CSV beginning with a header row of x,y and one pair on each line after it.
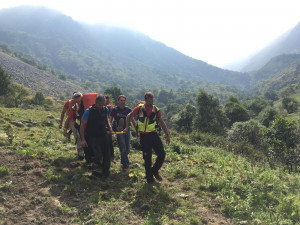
x,y
165,128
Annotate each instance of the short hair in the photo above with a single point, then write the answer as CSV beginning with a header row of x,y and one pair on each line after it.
x,y
106,97
76,95
100,98
121,96
149,94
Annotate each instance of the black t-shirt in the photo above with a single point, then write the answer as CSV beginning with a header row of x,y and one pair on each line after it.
x,y
119,116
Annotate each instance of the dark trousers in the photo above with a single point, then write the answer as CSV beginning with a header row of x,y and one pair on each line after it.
x,y
88,152
111,147
100,149
148,142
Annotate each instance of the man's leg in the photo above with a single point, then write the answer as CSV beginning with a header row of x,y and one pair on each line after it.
x,y
145,140
111,148
122,147
94,145
88,152
76,134
127,146
105,154
160,152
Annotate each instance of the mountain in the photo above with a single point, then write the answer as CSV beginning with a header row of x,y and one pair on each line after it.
x,y
102,56
280,72
288,43
35,79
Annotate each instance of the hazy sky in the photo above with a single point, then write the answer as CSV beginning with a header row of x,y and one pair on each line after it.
x,y
215,31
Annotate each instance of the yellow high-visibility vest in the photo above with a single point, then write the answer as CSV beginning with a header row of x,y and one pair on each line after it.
x,y
147,124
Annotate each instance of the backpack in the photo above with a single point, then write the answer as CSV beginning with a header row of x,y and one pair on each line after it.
x,y
87,101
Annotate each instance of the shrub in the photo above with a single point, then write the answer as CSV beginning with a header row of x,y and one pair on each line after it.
x,y
16,96
267,115
210,117
5,82
235,112
186,116
250,131
290,104
38,99
283,136
4,171
257,105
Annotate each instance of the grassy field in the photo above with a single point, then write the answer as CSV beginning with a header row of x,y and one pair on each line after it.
x,y
43,182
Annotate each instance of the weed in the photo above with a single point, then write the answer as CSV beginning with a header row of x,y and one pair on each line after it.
x,y
94,198
210,170
4,171
65,209
10,133
151,219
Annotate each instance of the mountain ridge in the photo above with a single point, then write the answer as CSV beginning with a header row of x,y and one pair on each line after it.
x,y
105,56
287,43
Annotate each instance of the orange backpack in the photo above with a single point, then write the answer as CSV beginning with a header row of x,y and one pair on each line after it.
x,y
89,100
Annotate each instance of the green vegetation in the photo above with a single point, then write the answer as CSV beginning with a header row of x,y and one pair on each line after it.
x,y
244,174
5,82
210,117
14,95
31,61
3,171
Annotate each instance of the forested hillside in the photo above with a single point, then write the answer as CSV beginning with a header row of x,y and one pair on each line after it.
x,y
105,56
281,72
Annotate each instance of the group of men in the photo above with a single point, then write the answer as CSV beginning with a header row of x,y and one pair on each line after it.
x,y
93,128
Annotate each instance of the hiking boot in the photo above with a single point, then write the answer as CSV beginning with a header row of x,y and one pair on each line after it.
x,y
151,183
69,135
157,176
81,157
96,173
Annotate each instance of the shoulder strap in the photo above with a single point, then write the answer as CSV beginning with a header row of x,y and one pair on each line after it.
x,y
156,109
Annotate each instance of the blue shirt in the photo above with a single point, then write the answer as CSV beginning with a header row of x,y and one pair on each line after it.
x,y
86,114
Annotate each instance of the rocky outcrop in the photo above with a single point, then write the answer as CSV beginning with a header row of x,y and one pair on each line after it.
x,y
35,79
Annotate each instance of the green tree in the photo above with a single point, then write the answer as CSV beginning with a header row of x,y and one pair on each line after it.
x,y
186,116
235,112
272,95
267,115
283,136
250,131
115,92
164,96
16,95
5,82
258,104
38,99
210,116
290,104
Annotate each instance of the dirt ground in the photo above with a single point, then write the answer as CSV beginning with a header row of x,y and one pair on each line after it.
x,y
25,197
23,193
